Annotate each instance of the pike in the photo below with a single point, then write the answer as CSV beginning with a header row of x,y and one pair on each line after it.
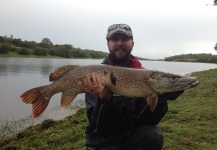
x,y
122,81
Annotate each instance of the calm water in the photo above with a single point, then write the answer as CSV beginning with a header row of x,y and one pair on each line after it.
x,y
20,74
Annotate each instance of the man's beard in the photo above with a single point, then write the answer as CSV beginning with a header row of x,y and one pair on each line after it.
x,y
119,60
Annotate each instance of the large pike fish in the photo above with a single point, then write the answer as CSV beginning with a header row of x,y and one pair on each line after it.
x,y
123,81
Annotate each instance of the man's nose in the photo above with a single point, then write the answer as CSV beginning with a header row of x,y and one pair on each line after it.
x,y
120,41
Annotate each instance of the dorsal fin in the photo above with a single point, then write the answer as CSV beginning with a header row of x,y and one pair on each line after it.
x,y
56,74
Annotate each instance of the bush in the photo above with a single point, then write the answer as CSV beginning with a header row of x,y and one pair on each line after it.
x,y
52,52
23,51
2,39
38,51
41,51
5,48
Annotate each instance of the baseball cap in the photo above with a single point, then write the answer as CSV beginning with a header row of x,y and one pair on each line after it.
x,y
119,28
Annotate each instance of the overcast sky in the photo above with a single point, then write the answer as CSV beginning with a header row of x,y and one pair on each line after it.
x,y
161,28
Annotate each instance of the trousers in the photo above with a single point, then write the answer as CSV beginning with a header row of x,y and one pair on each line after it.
x,y
143,138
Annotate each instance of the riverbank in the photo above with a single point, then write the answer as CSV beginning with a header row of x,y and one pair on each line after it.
x,y
14,54
189,124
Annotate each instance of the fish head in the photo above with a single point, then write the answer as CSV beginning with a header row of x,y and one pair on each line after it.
x,y
161,82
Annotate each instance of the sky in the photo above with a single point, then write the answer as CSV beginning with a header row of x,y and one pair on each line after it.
x,y
161,28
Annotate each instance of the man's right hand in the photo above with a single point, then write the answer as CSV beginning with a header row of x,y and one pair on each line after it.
x,y
94,86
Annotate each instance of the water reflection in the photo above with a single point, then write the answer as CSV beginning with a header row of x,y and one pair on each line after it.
x,y
42,66
19,66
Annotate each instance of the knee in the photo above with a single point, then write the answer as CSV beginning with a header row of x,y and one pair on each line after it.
x,y
153,138
145,137
157,136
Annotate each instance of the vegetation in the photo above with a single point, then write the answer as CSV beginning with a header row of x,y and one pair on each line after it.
x,y
50,134
191,120
204,58
216,43
189,124
45,48
10,47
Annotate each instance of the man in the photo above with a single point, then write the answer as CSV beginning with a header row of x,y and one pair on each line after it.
x,y
117,122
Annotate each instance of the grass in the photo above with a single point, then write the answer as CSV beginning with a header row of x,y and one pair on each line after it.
x,y
191,120
15,54
50,134
189,124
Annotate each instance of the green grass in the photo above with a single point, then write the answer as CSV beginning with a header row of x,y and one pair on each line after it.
x,y
50,134
191,120
15,54
191,123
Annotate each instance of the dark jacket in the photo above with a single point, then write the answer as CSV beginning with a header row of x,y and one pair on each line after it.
x,y
110,122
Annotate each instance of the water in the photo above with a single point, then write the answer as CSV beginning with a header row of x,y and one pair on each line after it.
x,y
20,74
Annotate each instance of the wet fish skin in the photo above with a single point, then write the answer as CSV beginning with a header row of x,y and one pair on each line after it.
x,y
123,81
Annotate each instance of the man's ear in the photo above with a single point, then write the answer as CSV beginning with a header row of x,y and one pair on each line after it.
x,y
132,45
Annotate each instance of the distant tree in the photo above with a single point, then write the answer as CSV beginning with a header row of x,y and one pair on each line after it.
x,y
16,42
11,36
215,2
215,47
46,43
31,44
68,46
2,39
5,48
28,44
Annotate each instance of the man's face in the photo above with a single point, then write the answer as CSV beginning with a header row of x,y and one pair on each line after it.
x,y
120,47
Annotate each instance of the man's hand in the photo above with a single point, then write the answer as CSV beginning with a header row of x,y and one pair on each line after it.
x,y
94,86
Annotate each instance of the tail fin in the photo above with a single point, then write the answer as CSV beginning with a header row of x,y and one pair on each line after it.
x,y
38,101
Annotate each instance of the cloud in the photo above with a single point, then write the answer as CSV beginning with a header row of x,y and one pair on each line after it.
x,y
161,28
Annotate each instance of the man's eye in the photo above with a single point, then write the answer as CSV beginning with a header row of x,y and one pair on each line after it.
x,y
115,39
125,38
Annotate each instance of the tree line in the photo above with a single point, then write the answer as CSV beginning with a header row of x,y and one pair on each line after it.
x,y
45,48
204,58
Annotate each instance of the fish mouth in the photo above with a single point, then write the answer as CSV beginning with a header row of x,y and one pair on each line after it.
x,y
186,83
194,83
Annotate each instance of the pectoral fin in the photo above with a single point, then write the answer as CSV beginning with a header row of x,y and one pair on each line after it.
x,y
152,102
67,99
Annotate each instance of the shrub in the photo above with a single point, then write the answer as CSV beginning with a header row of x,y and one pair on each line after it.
x,y
5,48
52,52
23,51
41,51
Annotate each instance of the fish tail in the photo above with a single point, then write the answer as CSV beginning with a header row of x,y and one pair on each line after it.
x,y
37,99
